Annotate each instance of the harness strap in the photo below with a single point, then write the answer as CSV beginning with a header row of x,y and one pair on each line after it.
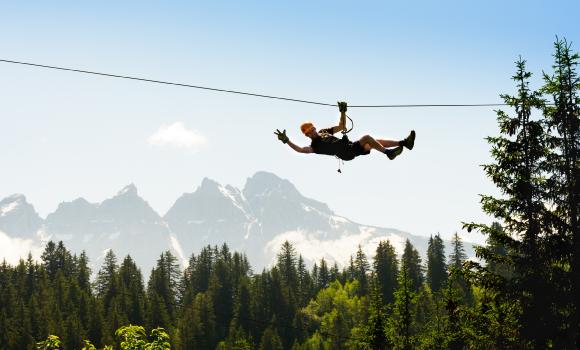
x,y
344,138
340,162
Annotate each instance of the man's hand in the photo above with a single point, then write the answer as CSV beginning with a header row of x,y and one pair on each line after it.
x,y
281,135
342,106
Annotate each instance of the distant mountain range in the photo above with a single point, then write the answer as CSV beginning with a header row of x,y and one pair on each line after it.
x,y
256,220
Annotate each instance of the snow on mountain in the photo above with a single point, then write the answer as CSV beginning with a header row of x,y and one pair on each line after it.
x,y
266,212
18,217
213,214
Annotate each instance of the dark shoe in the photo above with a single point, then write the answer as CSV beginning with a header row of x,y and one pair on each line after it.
x,y
409,142
393,153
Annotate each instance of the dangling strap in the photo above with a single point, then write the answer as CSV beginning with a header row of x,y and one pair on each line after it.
x,y
340,162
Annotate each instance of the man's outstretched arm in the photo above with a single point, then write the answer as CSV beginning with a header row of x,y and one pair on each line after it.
x,y
299,149
284,138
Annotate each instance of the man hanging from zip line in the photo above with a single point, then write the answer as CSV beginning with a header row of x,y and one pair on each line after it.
x,y
324,141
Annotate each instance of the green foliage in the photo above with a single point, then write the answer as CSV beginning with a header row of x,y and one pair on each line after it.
x,y
88,345
270,340
337,311
160,340
132,337
52,342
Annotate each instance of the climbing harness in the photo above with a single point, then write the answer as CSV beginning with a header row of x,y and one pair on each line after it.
x,y
346,140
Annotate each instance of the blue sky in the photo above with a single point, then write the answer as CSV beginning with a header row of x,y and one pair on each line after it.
x,y
66,135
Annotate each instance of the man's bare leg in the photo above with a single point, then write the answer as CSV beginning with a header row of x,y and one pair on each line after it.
x,y
368,142
388,143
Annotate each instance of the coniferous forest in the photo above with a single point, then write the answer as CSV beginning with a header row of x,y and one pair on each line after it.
x,y
520,292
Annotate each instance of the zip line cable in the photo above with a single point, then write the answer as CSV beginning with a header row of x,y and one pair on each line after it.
x,y
248,93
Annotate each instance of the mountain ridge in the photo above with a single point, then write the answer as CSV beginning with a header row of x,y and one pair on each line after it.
x,y
255,219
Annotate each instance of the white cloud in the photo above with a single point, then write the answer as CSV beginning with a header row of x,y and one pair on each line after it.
x,y
13,249
178,136
313,246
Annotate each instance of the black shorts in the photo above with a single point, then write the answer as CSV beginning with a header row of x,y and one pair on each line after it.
x,y
352,150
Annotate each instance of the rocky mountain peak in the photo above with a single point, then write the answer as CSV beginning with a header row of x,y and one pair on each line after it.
x,y
17,216
264,183
129,190
208,186
11,203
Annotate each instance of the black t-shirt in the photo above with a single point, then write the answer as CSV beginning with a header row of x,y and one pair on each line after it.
x,y
326,143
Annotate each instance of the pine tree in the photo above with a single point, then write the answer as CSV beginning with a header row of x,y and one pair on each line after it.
x,y
83,272
270,340
454,335
242,308
132,291
375,335
401,323
334,272
361,268
436,267
284,293
287,263
305,286
197,326
221,290
563,120
519,172
456,260
105,281
500,252
163,290
201,270
49,259
386,269
323,275
412,261
349,271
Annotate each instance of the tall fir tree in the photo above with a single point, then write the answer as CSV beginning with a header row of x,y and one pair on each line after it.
x,y
375,336
456,260
412,261
106,277
519,172
436,266
323,275
287,263
562,121
386,269
401,323
361,269
132,291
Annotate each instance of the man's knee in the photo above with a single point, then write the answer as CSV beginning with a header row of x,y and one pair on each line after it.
x,y
365,139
